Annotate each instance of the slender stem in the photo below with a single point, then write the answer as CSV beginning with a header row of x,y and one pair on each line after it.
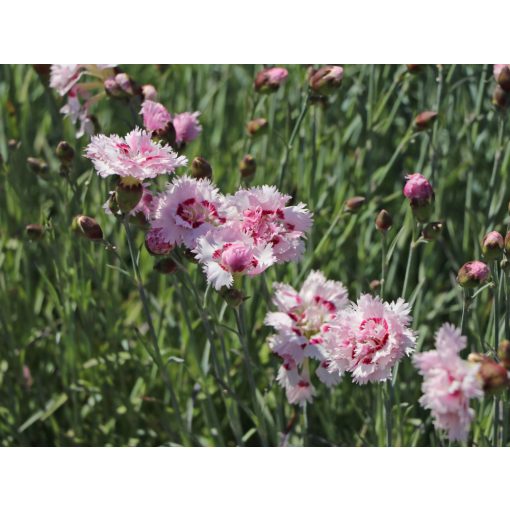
x,y
389,412
466,301
496,345
409,260
383,264
157,352
288,148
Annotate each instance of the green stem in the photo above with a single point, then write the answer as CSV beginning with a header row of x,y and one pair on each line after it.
x,y
157,352
288,148
389,411
412,247
496,345
383,264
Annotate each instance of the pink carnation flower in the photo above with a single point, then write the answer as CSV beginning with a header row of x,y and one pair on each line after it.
x,y
64,76
155,115
368,338
77,110
135,155
188,209
264,216
449,383
418,189
297,385
299,324
187,127
228,251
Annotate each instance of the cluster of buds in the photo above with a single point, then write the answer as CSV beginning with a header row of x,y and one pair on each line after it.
x,y
420,194
501,94
493,375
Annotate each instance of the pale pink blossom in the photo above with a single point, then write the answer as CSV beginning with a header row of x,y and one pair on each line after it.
x,y
135,155
77,110
449,383
149,92
263,214
187,127
187,210
227,251
418,189
155,115
64,76
299,321
297,385
368,337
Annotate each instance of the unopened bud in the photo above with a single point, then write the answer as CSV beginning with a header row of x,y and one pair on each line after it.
x,y
38,166
165,266
492,246
375,285
500,98
64,152
424,120
472,274
34,231
269,80
326,79
504,353
432,230
167,134
87,227
493,375
384,221
155,244
232,297
420,194
129,191
414,68
200,168
257,127
354,203
121,85
248,167
13,144
504,78
149,92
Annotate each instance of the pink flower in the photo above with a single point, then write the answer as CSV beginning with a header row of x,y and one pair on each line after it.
x,y
449,383
155,115
155,243
187,127
149,92
418,190
188,209
135,155
368,338
227,251
264,216
298,388
64,76
299,323
78,111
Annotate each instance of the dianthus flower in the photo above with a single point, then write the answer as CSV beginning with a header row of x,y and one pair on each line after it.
x,y
264,216
299,324
368,337
449,383
187,127
155,115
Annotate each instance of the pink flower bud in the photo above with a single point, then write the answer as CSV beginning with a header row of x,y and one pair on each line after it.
x,y
472,274
354,203
492,245
257,127
326,79
420,194
424,120
155,244
269,80
149,92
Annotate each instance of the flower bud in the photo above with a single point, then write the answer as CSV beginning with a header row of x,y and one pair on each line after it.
x,y
504,78
232,297
155,244
167,134
248,167
504,353
326,79
384,221
165,266
375,285
354,203
257,127
493,375
126,84
492,246
420,194
64,152
129,191
87,227
149,92
472,274
507,242
500,98
414,68
43,70
38,166
13,144
269,80
432,230
34,231
424,120
200,168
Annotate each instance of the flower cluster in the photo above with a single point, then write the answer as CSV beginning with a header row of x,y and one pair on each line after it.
x,y
65,78
449,383
244,233
299,323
